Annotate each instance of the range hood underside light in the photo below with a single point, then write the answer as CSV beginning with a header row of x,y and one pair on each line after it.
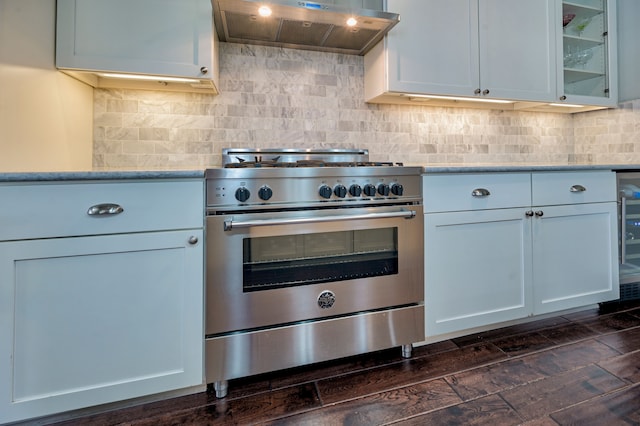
x,y
302,25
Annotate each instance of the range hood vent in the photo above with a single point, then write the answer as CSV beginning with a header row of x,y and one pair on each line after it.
x,y
302,25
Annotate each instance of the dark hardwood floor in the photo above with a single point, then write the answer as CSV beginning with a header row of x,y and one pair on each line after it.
x,y
582,368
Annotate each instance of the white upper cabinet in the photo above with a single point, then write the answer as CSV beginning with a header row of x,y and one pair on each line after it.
x,y
162,38
587,52
628,49
517,49
473,48
434,49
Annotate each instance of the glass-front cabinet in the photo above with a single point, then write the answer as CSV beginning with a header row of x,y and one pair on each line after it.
x,y
588,48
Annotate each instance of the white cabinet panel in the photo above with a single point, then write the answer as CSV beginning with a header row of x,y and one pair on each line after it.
x,y
170,38
435,48
575,256
628,49
91,320
455,192
517,49
472,48
477,269
37,210
573,187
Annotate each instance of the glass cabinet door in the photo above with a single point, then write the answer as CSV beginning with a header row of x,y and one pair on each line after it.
x,y
588,49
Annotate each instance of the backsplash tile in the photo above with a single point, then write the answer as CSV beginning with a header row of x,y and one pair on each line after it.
x,y
274,97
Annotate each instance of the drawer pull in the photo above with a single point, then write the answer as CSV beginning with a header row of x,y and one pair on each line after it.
x,y
480,192
577,188
106,209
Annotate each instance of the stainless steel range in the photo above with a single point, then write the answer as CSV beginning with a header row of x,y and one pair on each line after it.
x,y
311,255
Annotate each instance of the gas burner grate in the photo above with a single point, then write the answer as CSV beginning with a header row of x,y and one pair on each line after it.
x,y
308,163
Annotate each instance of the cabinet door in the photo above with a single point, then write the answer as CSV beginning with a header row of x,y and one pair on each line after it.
x,y
574,256
587,52
517,49
92,320
159,37
435,47
477,269
628,35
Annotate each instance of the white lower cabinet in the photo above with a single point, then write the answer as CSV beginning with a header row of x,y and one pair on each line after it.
x,y
94,319
477,269
574,256
490,259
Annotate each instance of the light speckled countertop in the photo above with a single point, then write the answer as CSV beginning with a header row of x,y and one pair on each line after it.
x,y
498,168
101,175
199,173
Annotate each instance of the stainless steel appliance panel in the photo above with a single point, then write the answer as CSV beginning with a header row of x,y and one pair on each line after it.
x,y
242,354
629,234
231,308
298,187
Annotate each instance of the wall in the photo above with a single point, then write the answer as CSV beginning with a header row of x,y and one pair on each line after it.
x,y
275,97
609,136
46,119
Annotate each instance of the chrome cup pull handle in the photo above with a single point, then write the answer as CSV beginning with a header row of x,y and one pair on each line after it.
x,y
480,192
577,188
105,209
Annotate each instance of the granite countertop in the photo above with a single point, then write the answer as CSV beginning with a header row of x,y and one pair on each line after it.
x,y
101,175
498,168
199,173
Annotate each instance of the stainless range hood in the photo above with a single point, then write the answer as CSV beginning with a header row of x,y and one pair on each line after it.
x,y
304,24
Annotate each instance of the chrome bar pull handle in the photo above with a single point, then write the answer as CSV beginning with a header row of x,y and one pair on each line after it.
x,y
231,224
577,188
623,230
105,209
480,192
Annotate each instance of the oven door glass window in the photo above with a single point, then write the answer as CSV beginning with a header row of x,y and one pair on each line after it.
x,y
294,260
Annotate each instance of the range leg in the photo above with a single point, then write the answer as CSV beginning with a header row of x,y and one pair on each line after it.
x,y
221,388
406,351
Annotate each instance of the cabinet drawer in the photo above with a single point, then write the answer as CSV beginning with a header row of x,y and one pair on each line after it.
x,y
46,210
557,188
454,192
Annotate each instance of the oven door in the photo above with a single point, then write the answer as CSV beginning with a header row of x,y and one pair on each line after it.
x,y
274,268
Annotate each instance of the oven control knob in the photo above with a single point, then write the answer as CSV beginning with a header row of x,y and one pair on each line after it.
x,y
369,190
242,194
265,193
340,191
355,190
397,189
325,191
383,189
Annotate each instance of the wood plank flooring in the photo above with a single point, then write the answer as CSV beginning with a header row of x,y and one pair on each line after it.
x,y
582,368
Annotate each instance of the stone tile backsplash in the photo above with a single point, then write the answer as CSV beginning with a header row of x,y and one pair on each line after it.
x,y
274,97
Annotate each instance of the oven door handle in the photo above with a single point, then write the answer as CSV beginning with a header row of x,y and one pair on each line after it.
x,y
231,224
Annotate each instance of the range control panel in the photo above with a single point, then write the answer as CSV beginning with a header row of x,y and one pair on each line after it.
x,y
265,191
